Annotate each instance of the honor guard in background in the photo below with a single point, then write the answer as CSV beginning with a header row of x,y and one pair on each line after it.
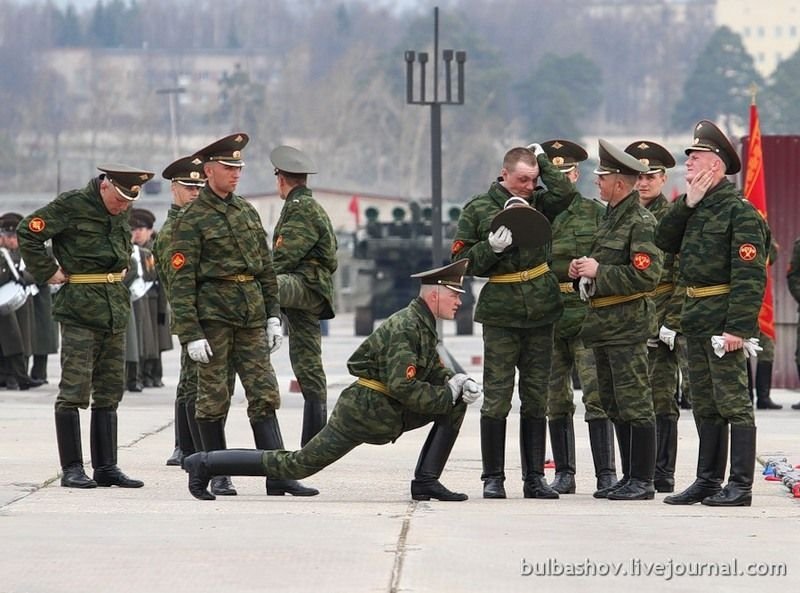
x,y
225,301
144,296
621,269
91,244
663,357
723,244
793,282
304,257
401,385
573,234
517,307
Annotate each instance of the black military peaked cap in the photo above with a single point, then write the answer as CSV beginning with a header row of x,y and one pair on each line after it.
x,y
564,154
227,150
128,181
654,156
292,160
614,160
9,222
451,276
141,219
187,170
709,138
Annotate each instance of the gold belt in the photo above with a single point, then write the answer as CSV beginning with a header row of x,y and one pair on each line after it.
x,y
109,278
374,385
566,287
614,300
699,292
239,278
523,276
662,289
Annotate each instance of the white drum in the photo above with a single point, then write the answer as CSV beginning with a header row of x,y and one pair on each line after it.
x,y
12,296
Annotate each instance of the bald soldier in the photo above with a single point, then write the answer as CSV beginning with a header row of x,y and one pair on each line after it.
x,y
401,385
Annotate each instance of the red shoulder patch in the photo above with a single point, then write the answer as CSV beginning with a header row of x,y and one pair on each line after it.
x,y
411,372
641,261
747,252
457,247
36,224
177,261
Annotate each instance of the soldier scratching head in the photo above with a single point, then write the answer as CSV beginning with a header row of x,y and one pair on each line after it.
x,y
443,303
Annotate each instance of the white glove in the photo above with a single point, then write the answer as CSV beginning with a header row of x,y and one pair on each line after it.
x,y
586,288
471,392
500,239
652,342
750,346
667,336
456,385
274,334
199,350
536,148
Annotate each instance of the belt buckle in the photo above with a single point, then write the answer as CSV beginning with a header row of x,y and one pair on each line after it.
x,y
524,275
110,278
240,278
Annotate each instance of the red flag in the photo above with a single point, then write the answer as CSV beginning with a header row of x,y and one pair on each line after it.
x,y
755,190
353,207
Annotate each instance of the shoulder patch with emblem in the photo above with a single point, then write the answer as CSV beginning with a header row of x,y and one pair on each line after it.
x,y
411,372
457,247
747,252
641,261
177,261
36,224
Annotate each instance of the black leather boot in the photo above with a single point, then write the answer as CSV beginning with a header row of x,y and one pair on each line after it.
x,y
212,435
601,442
315,416
104,451
532,444
68,436
739,490
562,441
712,455
764,387
493,454
205,466
643,463
132,382
267,435
430,465
623,430
39,367
666,453
194,430
177,453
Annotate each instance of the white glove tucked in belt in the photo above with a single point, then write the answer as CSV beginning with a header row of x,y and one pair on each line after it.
x,y
667,336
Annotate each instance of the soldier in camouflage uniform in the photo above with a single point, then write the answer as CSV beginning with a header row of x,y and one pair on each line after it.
x,y
573,233
91,243
304,257
793,281
623,267
517,307
402,385
224,296
723,244
663,359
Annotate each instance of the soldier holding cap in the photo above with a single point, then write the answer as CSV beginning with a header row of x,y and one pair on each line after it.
x,y
91,247
621,269
723,244
225,301
401,385
304,256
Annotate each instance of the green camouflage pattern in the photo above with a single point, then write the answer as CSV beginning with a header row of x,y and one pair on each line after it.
x,y
186,391
86,239
162,247
624,385
569,353
305,353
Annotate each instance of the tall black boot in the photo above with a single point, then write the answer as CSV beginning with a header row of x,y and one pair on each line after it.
x,y
562,441
712,455
177,453
430,465
666,453
104,451
18,371
212,434
764,386
39,367
158,372
601,442
132,382
70,453
739,490
203,467
532,444
315,416
267,435
623,430
493,454
643,463
194,430
185,439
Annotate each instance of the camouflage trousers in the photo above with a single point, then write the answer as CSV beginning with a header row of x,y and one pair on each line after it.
x,y
663,364
242,351
719,385
622,376
302,308
351,424
506,349
569,353
92,368
187,382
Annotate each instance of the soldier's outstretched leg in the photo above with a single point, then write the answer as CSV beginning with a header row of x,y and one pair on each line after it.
x,y
562,441
532,444
738,492
177,453
712,455
493,454
212,435
642,466
104,450
68,436
666,453
601,442
267,436
623,430
430,465
204,466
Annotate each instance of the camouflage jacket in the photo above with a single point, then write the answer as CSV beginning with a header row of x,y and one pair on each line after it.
x,y
525,304
162,247
793,274
304,244
723,240
86,239
573,234
630,264
667,303
214,238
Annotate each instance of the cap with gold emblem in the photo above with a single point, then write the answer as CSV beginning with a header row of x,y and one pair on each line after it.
x,y
614,160
450,276
655,157
564,154
140,218
9,222
128,181
709,138
227,150
187,170
291,160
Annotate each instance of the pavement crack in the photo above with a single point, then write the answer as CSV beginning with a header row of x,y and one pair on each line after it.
x,y
400,548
